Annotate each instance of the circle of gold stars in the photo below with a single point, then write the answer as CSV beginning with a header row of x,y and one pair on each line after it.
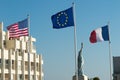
x,y
66,19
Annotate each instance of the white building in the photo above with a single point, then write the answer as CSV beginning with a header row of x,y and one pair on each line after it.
x,y
14,58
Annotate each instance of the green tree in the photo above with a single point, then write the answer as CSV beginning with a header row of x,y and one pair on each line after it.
x,y
96,78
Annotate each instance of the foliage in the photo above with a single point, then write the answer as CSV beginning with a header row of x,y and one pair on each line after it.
x,y
96,78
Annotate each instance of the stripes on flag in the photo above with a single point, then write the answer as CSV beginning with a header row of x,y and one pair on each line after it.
x,y
18,29
99,34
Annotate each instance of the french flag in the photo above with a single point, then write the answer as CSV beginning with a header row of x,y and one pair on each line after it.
x,y
99,34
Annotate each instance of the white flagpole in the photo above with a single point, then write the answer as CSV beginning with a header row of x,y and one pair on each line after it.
x,y
75,42
110,60
29,48
110,55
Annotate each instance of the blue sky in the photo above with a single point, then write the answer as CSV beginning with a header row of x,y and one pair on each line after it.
x,y
57,46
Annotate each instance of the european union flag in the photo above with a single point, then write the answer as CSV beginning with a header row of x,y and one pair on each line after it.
x,y
63,19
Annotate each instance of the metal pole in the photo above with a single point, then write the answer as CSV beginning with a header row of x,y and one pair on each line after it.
x,y
110,60
110,55
75,42
28,47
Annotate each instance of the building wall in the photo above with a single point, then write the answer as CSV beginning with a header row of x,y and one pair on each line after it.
x,y
116,68
14,58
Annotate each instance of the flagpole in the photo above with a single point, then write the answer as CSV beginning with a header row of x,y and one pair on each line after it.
x,y
110,55
28,47
110,60
75,42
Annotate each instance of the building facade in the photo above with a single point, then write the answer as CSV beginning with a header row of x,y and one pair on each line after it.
x,y
14,61
116,68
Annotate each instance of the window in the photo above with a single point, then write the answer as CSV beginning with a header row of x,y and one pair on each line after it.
x,y
12,61
7,62
26,51
20,77
13,64
4,43
0,61
37,66
20,54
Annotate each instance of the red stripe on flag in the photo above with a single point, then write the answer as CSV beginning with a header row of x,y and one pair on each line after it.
x,y
93,37
15,32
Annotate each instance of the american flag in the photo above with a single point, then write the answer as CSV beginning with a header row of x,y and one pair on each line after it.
x,y
18,29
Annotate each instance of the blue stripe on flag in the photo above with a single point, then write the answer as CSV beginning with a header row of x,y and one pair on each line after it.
x,y
105,33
